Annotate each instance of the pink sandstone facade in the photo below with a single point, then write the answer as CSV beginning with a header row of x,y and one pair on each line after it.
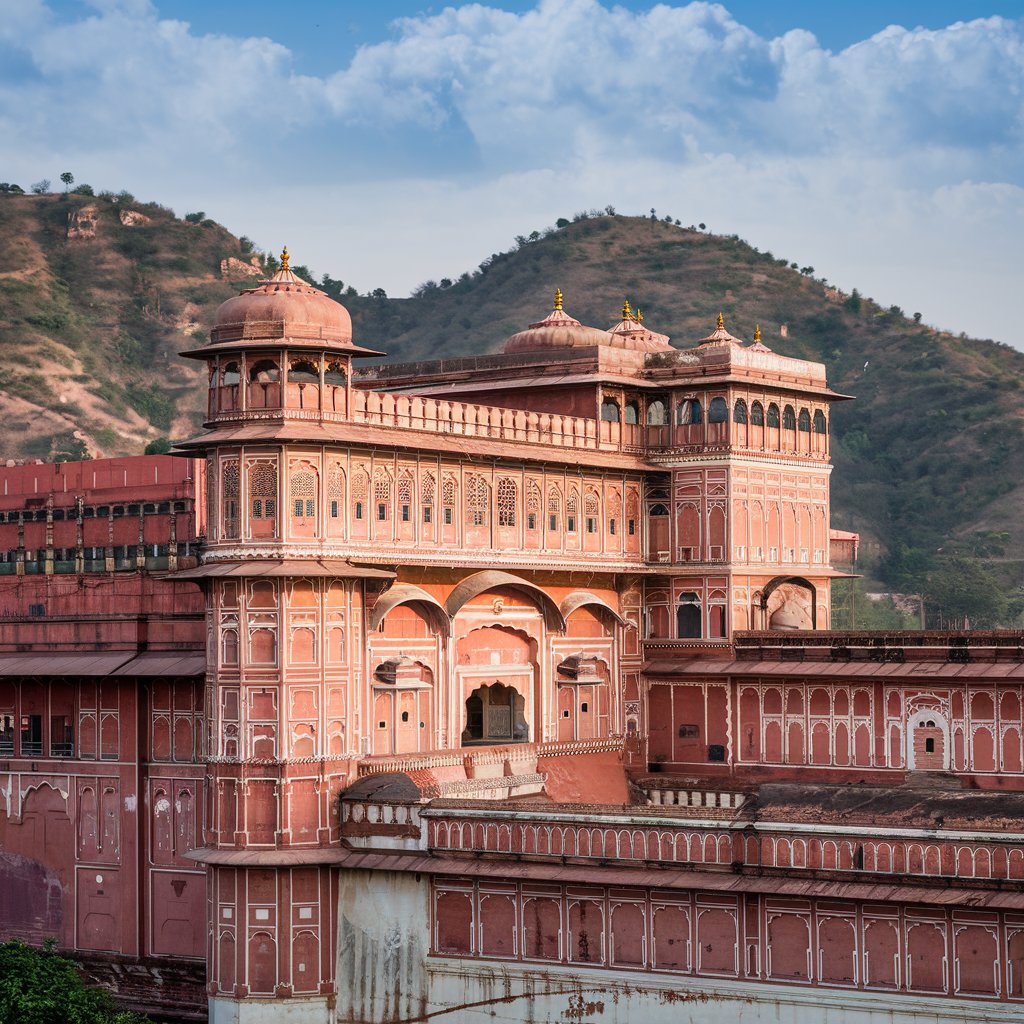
x,y
495,686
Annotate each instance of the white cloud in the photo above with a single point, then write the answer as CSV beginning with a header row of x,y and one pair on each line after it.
x,y
895,165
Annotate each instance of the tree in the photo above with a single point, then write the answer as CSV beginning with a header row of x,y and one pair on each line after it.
x,y
160,446
83,190
917,318
41,187
963,594
6,186
561,223
196,218
68,178
378,293
853,301
703,227
40,987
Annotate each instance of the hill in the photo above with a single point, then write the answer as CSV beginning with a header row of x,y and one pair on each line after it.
x,y
98,294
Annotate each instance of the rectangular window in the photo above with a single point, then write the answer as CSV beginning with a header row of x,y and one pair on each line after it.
x,y
631,527
62,736
477,517
448,517
531,521
6,735
570,524
359,510
382,511
426,513
298,508
310,508
612,526
591,524
334,508
270,508
257,508
405,513
31,735
553,523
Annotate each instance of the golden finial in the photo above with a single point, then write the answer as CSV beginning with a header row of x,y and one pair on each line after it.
x,y
757,333
558,299
638,317
284,258
721,322
627,313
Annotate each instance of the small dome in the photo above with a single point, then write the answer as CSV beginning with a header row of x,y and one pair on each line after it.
x,y
556,330
790,615
285,306
720,335
630,333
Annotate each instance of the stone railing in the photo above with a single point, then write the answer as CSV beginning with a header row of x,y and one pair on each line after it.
x,y
694,798
412,412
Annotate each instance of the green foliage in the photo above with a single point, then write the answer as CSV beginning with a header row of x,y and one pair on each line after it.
x,y
962,593
8,187
161,446
195,218
83,190
42,987
68,179
152,402
68,448
853,608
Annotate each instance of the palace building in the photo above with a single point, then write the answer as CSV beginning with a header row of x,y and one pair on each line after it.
x,y
497,687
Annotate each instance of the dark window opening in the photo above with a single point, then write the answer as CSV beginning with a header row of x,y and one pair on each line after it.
x,y
819,423
382,511
591,524
611,527
584,707
553,523
405,716
570,524
62,736
804,423
716,752
688,617
688,411
739,412
449,515
405,513
6,735
631,527
929,745
427,514
773,415
689,732
359,510
531,521
31,735
718,411
789,418
610,411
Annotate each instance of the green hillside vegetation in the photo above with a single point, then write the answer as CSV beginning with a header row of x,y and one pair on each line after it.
x,y
929,459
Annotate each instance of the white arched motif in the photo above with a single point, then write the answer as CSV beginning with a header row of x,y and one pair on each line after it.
x,y
930,719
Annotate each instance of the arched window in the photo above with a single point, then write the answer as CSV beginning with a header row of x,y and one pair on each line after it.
x,y
788,418
335,374
572,511
263,491
591,507
382,495
335,490
659,510
773,415
533,502
229,495
360,493
688,411
820,427
757,415
478,499
688,624
405,496
804,422
613,509
656,414
428,486
508,501
303,490
739,411
265,371
610,410
718,411
302,371
448,499
229,374
554,508
632,413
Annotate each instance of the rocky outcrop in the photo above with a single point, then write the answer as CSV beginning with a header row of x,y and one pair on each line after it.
x,y
82,222
235,268
132,218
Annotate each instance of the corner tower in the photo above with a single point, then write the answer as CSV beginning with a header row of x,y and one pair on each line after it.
x,y
283,617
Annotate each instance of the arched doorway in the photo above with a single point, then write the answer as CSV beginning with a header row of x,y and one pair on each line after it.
x,y
495,713
928,742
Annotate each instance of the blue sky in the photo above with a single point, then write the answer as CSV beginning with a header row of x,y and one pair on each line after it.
x,y
388,143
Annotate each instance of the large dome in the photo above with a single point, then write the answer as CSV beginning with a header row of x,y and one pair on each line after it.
x,y
282,307
556,330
